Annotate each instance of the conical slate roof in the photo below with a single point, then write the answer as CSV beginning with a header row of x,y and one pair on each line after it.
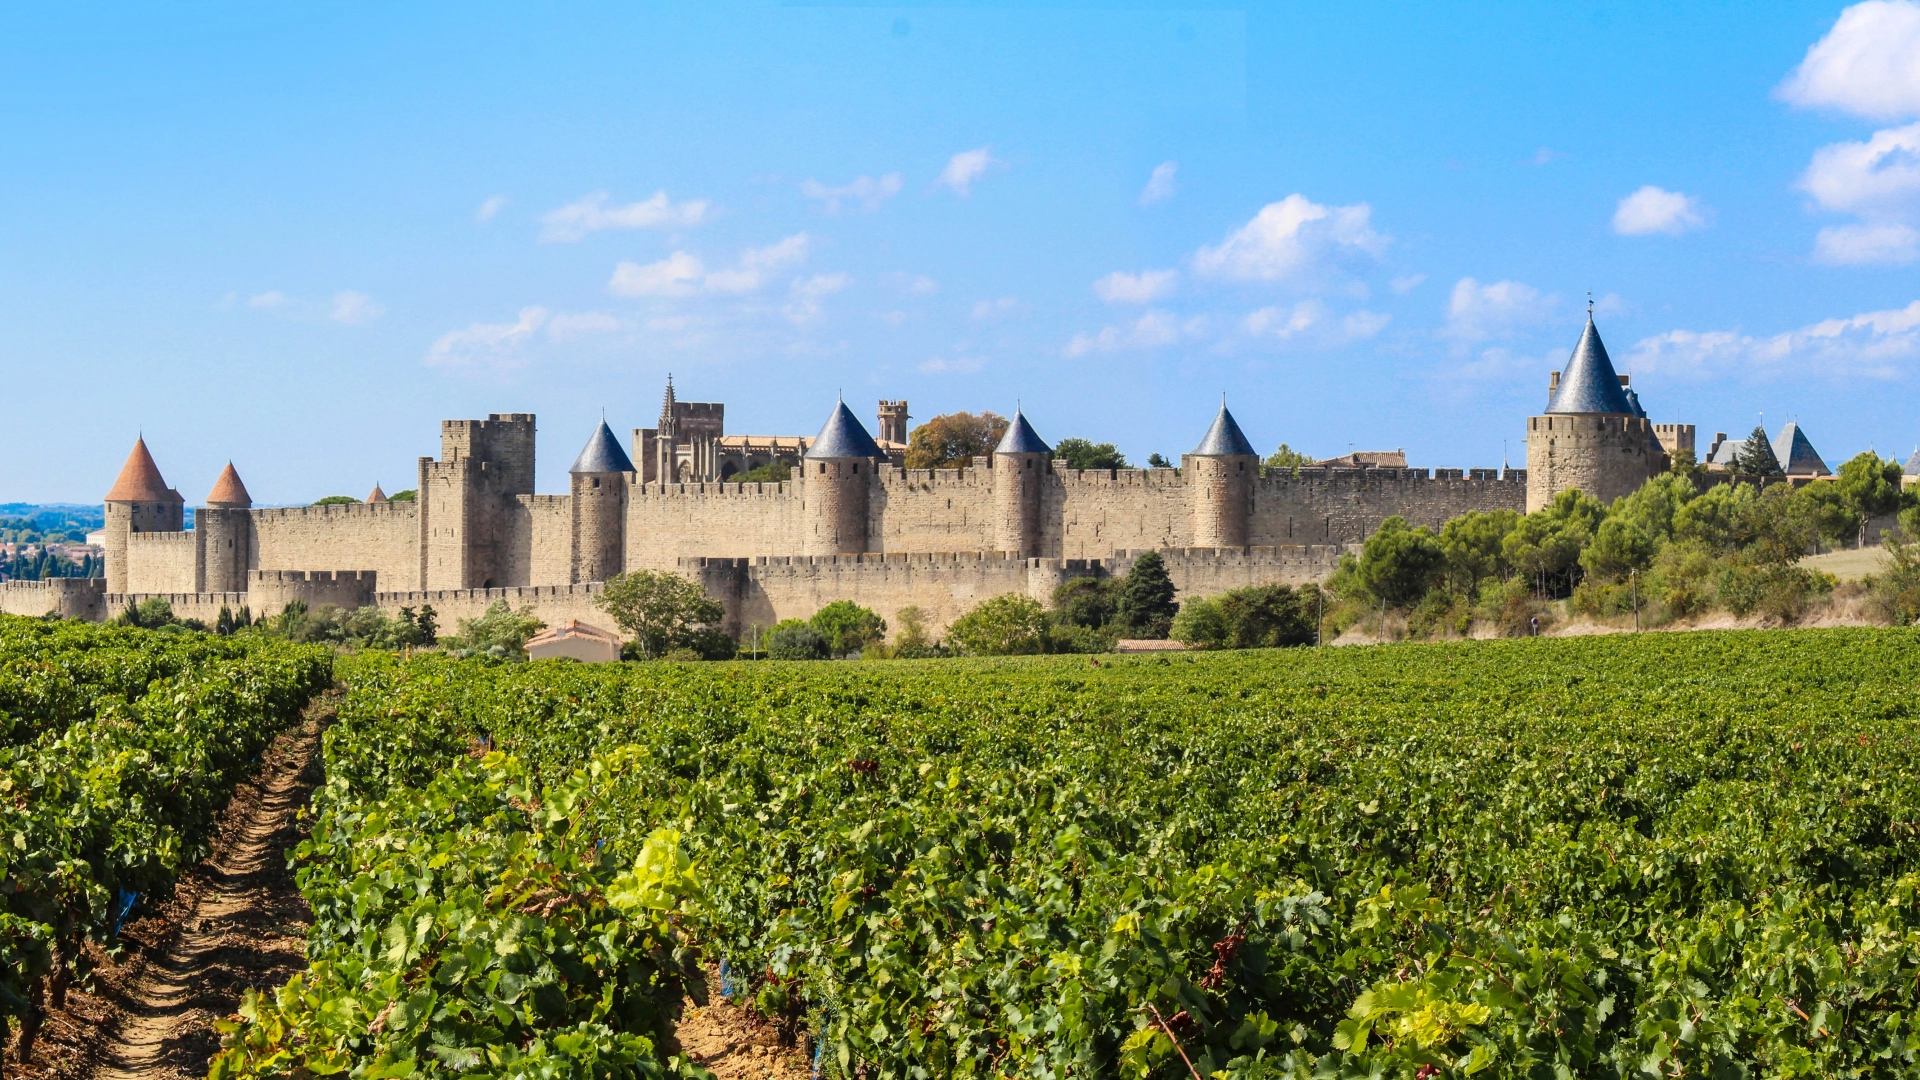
x,y
1589,384
140,479
1796,454
1021,438
1913,464
376,495
1224,438
228,490
844,437
602,454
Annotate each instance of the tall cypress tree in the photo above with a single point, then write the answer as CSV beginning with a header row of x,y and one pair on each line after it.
x,y
1146,605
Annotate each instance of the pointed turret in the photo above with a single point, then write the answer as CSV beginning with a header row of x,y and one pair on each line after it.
x,y
1021,438
844,437
140,479
1224,438
228,492
1796,455
602,454
376,495
1589,384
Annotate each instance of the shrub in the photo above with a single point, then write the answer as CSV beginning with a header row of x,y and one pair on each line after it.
x,y
1258,617
793,639
660,611
847,627
1087,454
501,633
1007,625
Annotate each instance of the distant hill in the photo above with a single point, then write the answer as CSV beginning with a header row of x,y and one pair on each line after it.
x,y
57,517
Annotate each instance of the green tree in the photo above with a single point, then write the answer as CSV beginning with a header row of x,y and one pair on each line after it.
x,y
1087,454
953,440
1621,546
1399,563
1155,461
1717,519
150,614
660,611
1833,519
499,632
1471,544
1286,459
1006,625
1684,462
1778,528
773,472
1146,607
335,500
794,639
1089,602
848,627
1755,457
1870,485
1655,505
1257,617
408,495
1546,544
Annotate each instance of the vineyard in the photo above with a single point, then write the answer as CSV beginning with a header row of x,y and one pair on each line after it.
x,y
117,749
1660,855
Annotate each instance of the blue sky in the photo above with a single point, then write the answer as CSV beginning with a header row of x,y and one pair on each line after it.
x,y
300,238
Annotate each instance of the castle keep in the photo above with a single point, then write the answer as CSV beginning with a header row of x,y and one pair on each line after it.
x,y
849,524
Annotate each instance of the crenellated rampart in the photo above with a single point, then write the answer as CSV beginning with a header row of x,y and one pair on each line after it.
x,y
69,598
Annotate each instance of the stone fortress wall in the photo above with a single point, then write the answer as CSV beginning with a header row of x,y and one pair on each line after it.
x,y
850,524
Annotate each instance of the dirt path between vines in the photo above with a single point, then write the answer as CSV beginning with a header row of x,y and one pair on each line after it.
x,y
243,928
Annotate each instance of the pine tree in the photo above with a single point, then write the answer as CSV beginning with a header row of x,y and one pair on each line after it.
x,y
1755,456
1146,605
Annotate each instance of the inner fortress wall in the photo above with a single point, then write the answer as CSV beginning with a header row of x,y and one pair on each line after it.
x,y
165,562
1090,514
1345,506
548,553
381,537
670,522
928,510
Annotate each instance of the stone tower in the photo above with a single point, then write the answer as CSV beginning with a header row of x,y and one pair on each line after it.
x,y
1220,475
1592,436
139,502
467,499
1022,464
225,533
893,421
599,486
835,486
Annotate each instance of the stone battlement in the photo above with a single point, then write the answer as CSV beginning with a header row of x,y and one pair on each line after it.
x,y
336,511
70,598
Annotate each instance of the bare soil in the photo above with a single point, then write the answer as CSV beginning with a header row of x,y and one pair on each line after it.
x,y
736,1043
234,923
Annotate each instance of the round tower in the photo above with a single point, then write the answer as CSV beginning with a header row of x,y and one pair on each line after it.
x,y
1220,474
139,502
835,487
1021,466
1593,436
599,485
225,539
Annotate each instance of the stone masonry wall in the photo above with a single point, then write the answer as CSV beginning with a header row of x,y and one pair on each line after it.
x,y
550,539
670,522
382,537
1345,506
554,604
72,598
163,562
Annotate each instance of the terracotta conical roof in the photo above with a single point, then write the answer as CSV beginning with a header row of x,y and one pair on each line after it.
x,y
1589,384
228,490
602,454
1796,454
1021,438
377,496
140,479
844,437
1224,438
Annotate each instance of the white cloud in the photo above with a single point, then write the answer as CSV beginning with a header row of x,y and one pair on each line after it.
x,y
1879,177
968,166
1657,210
569,326
803,307
591,214
270,301
354,308
1874,344
1868,64
681,274
676,275
1545,156
1155,329
494,345
868,191
1875,244
493,205
1289,238
1160,186
959,365
910,284
1476,312
1144,287
1405,285
993,309
756,262
1312,320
